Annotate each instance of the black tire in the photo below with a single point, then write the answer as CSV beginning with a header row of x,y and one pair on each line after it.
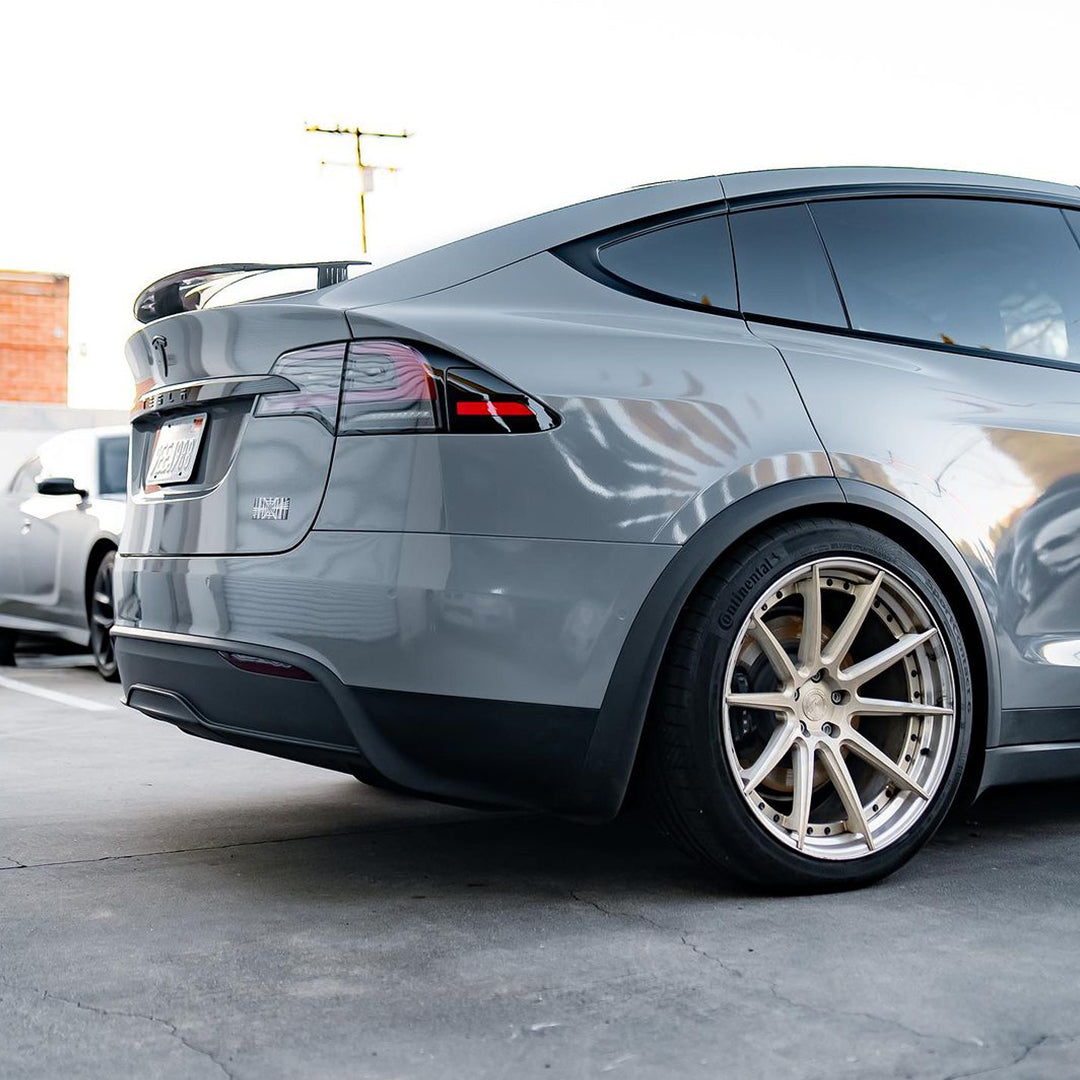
x,y
99,606
688,778
8,640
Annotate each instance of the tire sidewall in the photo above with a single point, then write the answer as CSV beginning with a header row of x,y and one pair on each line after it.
x,y
107,670
725,812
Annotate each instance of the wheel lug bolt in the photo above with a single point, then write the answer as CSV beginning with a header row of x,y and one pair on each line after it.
x,y
826,729
817,676
837,697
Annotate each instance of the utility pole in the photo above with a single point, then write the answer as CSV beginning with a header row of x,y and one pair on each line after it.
x,y
364,169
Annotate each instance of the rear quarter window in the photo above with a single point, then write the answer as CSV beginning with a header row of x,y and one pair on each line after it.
x,y
689,261
782,267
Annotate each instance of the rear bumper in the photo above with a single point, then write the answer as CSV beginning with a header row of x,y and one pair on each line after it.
x,y
473,751
467,668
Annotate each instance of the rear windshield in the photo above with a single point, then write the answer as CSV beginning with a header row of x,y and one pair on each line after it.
x,y
113,465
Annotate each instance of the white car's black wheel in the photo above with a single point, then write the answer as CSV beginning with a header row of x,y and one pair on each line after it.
x,y
102,617
8,640
813,715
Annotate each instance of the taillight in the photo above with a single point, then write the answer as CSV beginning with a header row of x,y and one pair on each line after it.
x,y
479,403
390,387
316,373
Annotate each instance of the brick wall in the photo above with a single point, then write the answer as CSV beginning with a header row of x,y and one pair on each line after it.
x,y
33,337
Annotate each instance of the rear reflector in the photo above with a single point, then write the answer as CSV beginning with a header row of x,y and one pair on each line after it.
x,y
261,665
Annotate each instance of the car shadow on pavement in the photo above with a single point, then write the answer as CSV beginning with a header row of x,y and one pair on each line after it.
x,y
411,851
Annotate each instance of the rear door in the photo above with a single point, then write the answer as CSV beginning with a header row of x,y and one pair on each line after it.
x,y
944,370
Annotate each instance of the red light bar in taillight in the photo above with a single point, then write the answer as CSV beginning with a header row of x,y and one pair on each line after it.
x,y
493,408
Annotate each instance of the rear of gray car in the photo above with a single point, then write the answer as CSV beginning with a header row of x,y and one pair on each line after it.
x,y
470,525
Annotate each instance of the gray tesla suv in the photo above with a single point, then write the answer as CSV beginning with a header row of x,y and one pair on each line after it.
x,y
761,489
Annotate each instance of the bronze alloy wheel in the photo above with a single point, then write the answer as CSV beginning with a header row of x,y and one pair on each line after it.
x,y
812,717
838,726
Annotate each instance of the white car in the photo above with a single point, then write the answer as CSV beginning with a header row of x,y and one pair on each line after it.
x,y
60,523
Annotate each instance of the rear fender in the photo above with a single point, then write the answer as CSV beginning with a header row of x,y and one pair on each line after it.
x,y
613,749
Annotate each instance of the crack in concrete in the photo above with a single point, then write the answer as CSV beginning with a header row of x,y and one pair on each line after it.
x,y
236,844
1026,1049
97,1010
772,989
619,914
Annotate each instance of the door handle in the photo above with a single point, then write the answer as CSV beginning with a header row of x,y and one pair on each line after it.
x,y
25,526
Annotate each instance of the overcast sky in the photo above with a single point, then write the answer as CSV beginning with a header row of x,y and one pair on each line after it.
x,y
139,139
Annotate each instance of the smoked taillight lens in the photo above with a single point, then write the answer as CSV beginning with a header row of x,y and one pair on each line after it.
x,y
387,387
478,402
316,373
394,388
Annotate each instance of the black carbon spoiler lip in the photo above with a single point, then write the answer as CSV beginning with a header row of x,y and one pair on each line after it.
x,y
188,290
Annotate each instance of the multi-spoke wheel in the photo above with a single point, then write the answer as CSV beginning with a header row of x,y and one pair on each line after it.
x,y
101,618
812,721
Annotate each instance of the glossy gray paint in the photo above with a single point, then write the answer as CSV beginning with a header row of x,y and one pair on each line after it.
x,y
503,618
513,570
245,457
780,181
669,415
989,450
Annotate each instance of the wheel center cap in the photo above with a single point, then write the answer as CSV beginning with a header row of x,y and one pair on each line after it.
x,y
815,705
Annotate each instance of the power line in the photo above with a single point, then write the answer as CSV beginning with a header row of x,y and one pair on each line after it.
x,y
364,169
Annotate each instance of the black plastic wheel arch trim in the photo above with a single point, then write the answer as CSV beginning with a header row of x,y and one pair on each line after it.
x,y
622,716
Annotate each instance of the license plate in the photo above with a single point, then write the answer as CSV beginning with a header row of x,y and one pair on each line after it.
x,y
176,450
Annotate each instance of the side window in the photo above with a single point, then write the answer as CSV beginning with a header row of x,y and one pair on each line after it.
x,y
25,480
113,465
688,261
782,267
985,274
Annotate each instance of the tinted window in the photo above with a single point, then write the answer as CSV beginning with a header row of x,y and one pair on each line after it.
x,y
989,275
783,270
688,261
113,465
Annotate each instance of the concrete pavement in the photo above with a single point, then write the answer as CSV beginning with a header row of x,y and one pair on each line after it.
x,y
174,908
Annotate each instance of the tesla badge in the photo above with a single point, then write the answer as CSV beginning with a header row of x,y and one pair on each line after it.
x,y
158,344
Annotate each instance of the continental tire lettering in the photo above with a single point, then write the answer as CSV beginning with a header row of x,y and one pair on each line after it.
x,y
748,586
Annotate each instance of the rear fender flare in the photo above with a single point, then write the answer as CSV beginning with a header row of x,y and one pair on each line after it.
x,y
612,751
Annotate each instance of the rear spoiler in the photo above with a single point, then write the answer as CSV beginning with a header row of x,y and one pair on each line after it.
x,y
189,290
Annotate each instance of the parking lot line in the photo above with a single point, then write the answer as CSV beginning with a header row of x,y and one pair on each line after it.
x,y
54,695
